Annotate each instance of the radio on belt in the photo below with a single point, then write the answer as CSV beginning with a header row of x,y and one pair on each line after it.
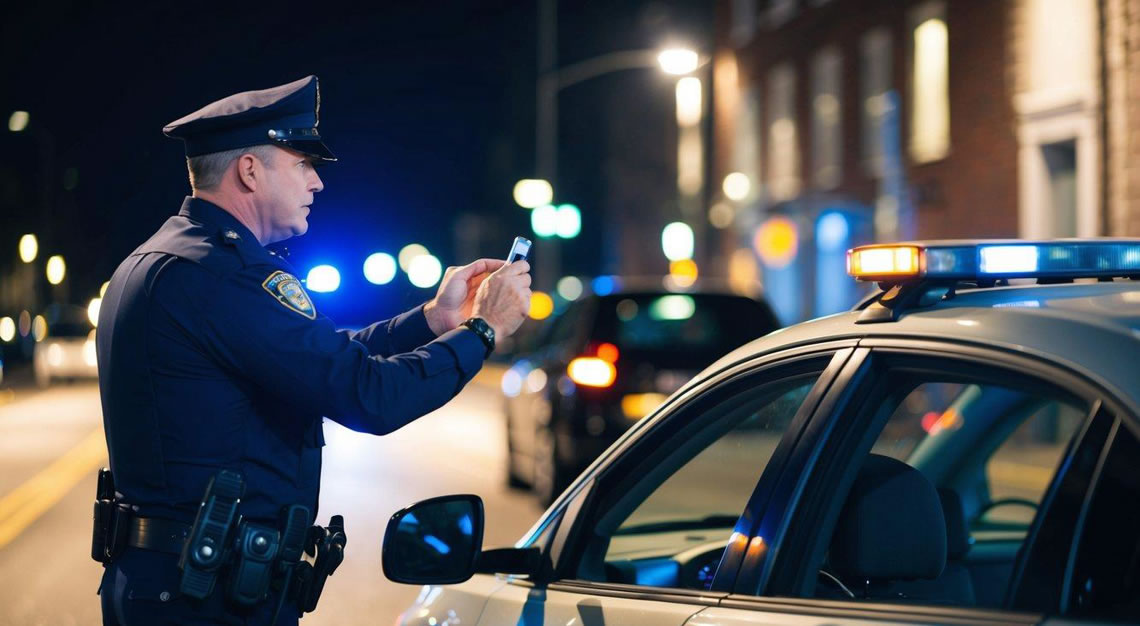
x,y
520,249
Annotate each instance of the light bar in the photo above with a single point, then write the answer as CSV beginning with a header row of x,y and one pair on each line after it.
x,y
995,259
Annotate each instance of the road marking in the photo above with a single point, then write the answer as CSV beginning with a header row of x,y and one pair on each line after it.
x,y
26,503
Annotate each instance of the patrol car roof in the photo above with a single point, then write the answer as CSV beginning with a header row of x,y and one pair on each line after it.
x,y
1093,328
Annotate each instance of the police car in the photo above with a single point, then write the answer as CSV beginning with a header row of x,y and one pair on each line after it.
x,y
963,447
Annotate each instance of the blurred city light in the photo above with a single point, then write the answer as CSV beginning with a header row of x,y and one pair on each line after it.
x,y
672,308
743,274
380,268
90,356
18,121
678,61
7,329
608,352
569,221
541,305
721,215
689,101
512,382
776,241
570,288
677,241
544,221
591,372
831,231
103,289
930,120
39,328
690,161
29,248
56,270
25,323
409,252
737,186
533,192
55,355
604,285
323,279
425,271
683,272
93,310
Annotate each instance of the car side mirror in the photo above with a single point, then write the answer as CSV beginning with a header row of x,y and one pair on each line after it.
x,y
440,542
434,542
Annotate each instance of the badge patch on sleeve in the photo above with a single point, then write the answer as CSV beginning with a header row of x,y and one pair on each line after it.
x,y
288,291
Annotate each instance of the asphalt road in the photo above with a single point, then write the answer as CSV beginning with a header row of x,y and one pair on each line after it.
x,y
51,447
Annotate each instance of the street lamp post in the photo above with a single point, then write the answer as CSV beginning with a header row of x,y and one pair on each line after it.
x,y
552,79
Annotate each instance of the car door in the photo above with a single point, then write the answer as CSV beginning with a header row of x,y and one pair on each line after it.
x,y
646,528
944,416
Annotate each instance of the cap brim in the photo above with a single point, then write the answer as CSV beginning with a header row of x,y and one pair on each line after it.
x,y
310,147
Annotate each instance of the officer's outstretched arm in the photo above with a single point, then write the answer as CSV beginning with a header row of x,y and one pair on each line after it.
x,y
402,333
297,355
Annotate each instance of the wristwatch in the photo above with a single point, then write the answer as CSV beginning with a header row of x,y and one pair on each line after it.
x,y
483,330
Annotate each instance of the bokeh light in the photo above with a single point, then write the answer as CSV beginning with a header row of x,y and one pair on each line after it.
x,y
379,268
541,305
323,279
425,271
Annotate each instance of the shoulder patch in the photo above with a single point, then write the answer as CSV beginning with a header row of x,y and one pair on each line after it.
x,y
287,290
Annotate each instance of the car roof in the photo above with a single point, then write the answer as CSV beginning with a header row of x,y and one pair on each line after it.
x,y
1093,328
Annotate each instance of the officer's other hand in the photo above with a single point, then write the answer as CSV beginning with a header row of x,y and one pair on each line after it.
x,y
454,301
503,300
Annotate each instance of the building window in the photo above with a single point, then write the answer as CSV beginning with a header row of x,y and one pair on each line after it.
x,y
781,12
826,119
930,95
874,82
783,151
743,22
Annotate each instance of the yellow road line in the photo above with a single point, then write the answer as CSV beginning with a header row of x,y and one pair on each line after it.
x,y
6,396
26,503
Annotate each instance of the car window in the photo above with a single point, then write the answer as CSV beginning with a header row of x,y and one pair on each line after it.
x,y
699,326
1106,578
667,523
939,508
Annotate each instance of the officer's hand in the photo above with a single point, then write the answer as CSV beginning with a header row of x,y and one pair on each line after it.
x,y
503,300
455,299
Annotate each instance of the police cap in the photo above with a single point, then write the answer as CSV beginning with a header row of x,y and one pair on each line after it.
x,y
287,115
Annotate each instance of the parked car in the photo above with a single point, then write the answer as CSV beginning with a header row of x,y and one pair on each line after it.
x,y
955,450
608,361
66,352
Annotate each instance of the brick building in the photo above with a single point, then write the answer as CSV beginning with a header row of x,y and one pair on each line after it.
x,y
918,119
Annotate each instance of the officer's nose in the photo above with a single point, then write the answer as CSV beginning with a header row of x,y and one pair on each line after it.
x,y
315,183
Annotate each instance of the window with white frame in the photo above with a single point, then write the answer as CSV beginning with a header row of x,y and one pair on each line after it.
x,y
827,118
930,83
783,149
875,66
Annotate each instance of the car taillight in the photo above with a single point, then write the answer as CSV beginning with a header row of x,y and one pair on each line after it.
x,y
592,371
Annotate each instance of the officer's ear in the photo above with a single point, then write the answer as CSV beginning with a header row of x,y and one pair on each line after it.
x,y
249,171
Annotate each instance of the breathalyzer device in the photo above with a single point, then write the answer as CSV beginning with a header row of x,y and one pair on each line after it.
x,y
520,249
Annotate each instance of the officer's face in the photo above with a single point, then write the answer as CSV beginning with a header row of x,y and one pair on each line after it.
x,y
292,182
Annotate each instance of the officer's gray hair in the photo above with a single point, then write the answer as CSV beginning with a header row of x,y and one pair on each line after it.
x,y
207,170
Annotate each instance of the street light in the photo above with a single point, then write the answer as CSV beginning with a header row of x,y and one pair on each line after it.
x,y
56,269
29,248
533,192
678,61
18,121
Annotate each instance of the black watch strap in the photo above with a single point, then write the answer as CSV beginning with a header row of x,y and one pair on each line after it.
x,y
483,330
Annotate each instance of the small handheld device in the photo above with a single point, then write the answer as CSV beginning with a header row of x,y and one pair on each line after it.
x,y
520,250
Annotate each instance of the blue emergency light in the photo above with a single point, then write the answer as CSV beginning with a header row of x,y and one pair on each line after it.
x,y
988,260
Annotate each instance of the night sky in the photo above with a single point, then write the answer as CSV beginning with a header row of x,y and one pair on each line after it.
x,y
430,107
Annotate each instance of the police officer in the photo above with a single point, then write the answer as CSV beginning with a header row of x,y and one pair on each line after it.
x,y
212,356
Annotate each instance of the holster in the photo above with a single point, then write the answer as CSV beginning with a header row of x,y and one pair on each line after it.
x,y
111,521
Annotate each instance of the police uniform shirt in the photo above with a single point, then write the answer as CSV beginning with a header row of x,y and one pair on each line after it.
x,y
211,355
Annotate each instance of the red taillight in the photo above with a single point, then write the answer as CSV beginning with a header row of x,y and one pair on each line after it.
x,y
592,371
608,352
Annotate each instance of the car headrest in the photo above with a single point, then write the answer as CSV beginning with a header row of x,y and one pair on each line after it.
x,y
957,537
891,526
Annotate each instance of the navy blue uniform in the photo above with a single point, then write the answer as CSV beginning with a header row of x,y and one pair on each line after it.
x,y
212,356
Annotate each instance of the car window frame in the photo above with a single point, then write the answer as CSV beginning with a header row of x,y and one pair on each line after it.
x,y
754,589
590,487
